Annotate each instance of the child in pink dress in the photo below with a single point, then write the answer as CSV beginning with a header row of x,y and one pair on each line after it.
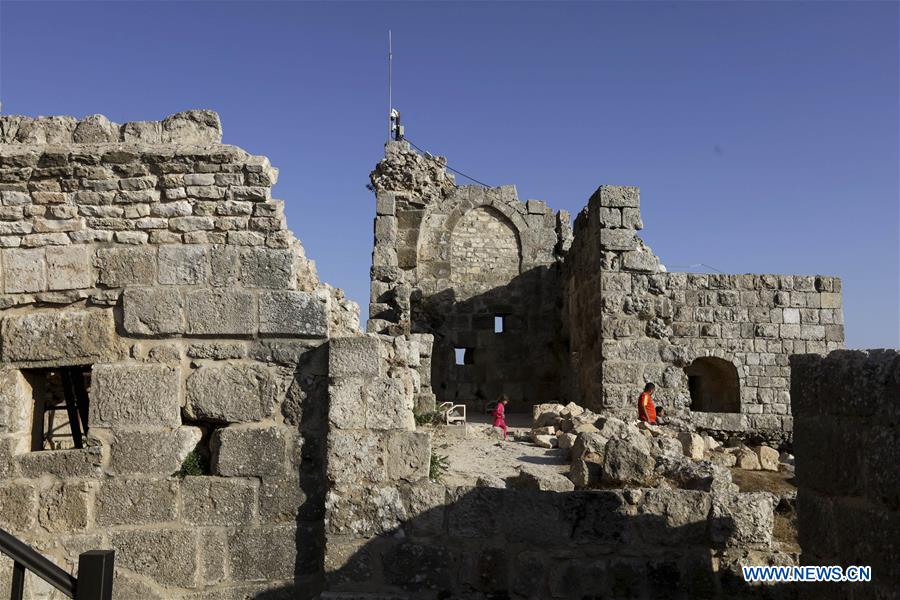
x,y
500,414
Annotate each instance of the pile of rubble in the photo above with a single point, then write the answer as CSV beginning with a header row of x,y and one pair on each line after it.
x,y
607,452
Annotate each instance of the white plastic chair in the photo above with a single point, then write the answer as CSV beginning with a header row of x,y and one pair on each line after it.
x,y
453,413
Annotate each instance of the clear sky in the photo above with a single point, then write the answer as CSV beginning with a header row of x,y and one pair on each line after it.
x,y
764,136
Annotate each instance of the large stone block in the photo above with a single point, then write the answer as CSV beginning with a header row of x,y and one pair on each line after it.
x,y
221,312
65,508
292,313
64,464
407,455
744,519
673,517
136,502
16,402
213,554
18,507
617,196
280,499
640,261
151,452
192,127
389,404
250,451
153,310
167,556
364,511
69,267
225,266
356,456
218,501
617,239
126,266
24,270
385,203
231,393
349,561
354,356
134,394
268,268
183,264
346,407
262,553
62,336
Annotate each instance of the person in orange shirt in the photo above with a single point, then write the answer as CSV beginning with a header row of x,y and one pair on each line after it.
x,y
646,407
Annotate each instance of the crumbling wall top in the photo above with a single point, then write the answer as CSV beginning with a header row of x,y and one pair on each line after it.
x,y
404,170
199,127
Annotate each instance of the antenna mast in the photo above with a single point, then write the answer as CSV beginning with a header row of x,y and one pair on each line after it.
x,y
390,87
395,129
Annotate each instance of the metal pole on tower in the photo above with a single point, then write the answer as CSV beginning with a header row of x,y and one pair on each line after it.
x,y
390,87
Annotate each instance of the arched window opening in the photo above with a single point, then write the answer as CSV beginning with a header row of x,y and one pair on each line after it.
x,y
714,386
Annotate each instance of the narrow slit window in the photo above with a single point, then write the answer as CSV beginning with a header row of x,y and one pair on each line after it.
x,y
498,323
60,403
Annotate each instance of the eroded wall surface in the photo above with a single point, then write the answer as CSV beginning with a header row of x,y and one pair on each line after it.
x,y
154,257
391,532
847,442
449,261
630,323
590,318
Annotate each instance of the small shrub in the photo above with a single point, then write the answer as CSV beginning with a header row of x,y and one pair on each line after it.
x,y
429,418
193,464
439,466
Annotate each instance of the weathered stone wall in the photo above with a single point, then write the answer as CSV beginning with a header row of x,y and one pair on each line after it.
x,y
437,542
377,463
155,256
393,533
449,259
847,442
629,322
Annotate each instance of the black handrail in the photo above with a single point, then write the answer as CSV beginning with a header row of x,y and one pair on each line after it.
x,y
95,570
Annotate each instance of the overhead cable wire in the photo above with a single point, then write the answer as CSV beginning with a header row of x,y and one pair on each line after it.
x,y
449,168
695,265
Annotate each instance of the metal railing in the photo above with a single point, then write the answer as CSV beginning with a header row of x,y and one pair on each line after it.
x,y
95,571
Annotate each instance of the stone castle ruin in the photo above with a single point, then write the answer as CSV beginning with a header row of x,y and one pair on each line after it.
x,y
588,317
177,384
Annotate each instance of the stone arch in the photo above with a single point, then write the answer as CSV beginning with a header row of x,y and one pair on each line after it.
x,y
714,385
440,219
484,248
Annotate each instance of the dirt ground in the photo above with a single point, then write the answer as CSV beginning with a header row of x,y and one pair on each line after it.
x,y
764,481
482,454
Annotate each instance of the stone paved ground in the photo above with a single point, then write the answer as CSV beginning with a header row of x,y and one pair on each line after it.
x,y
479,454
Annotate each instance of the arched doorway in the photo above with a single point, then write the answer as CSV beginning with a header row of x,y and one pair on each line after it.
x,y
714,385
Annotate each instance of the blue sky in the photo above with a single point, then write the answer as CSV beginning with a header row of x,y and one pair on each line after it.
x,y
764,136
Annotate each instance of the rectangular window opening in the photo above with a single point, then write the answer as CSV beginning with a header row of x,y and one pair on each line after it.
x,y
60,404
464,356
498,323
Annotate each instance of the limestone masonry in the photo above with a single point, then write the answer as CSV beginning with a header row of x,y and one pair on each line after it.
x,y
587,318
177,384
152,260
848,449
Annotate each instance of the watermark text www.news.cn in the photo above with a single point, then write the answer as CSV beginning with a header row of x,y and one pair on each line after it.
x,y
829,573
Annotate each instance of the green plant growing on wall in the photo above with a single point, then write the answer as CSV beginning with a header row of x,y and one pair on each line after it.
x,y
428,418
193,464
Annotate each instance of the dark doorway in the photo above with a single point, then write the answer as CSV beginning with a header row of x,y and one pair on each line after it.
x,y
714,385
